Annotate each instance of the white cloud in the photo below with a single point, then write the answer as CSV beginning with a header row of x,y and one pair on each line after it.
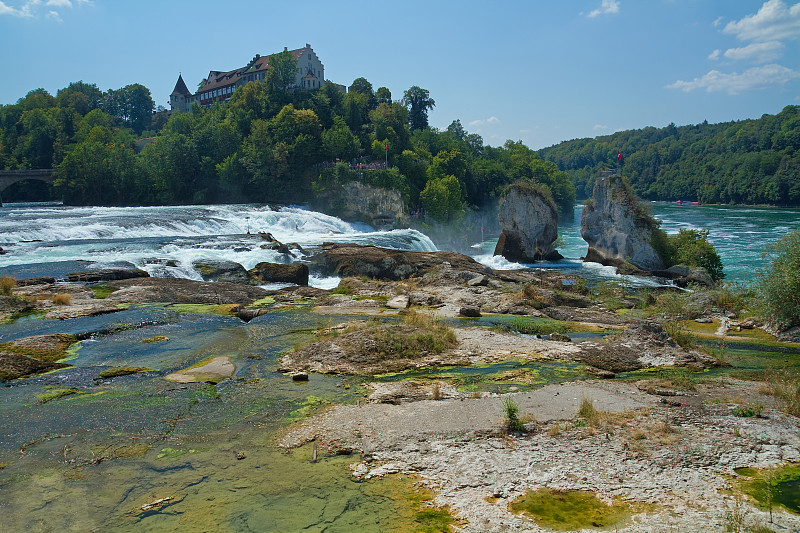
x,y
24,11
491,120
773,21
30,9
715,54
718,22
735,83
607,7
761,52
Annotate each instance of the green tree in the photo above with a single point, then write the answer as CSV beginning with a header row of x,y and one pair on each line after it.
x,y
778,284
690,247
441,199
98,171
131,104
362,86
418,102
281,73
383,96
339,142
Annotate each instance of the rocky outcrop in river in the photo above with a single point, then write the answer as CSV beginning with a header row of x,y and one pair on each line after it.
x,y
530,225
617,229
341,259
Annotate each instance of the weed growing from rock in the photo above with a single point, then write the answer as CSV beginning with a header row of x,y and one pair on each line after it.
x,y
511,409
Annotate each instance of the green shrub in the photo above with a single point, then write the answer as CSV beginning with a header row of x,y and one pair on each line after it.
x,y
690,247
743,411
778,284
513,423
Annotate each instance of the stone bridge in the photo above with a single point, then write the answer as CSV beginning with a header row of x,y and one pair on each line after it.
x,y
9,177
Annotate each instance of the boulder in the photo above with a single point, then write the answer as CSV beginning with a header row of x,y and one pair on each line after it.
x,y
530,226
221,270
107,274
617,229
296,274
341,259
478,281
470,311
401,301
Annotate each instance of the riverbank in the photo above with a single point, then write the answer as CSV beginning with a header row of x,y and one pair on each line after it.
x,y
670,442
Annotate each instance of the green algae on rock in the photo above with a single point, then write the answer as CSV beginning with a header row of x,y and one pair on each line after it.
x,y
568,510
123,371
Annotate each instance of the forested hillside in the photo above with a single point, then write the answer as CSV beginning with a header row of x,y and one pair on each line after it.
x,y
746,162
268,143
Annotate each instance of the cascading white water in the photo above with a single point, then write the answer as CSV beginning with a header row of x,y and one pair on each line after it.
x,y
166,240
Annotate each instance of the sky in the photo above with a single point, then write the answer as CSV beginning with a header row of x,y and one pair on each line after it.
x,y
539,71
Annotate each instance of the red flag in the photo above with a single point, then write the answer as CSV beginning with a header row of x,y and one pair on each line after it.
x,y
387,146
619,155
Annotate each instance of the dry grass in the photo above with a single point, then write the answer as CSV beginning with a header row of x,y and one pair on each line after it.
x,y
785,386
62,298
7,285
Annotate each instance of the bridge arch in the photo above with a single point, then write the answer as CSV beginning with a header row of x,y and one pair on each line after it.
x,y
10,177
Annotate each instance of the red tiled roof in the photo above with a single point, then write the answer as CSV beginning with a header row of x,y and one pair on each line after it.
x,y
256,65
180,88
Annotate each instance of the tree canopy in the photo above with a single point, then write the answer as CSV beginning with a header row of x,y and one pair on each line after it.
x,y
744,162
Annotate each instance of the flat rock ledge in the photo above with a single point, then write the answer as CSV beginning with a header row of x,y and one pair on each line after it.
x,y
680,460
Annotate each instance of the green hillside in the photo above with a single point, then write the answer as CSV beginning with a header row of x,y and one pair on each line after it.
x,y
746,162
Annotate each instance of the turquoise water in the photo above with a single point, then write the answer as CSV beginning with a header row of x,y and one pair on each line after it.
x,y
738,233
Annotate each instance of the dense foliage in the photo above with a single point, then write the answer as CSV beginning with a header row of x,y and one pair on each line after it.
x,y
691,248
745,162
778,285
266,144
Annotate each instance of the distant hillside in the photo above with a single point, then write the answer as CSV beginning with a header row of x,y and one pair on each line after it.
x,y
745,162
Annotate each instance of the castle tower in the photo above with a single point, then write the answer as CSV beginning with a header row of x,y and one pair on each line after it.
x,y
178,98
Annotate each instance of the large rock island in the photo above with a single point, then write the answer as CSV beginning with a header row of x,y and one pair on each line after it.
x,y
529,220
618,229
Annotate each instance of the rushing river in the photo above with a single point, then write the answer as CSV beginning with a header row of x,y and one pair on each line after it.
x,y
164,241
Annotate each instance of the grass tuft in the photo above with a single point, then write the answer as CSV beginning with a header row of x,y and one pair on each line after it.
x,y
7,285
62,298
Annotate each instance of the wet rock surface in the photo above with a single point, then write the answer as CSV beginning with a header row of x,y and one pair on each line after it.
x,y
296,273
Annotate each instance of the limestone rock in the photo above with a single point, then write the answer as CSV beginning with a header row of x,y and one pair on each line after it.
x,y
296,274
221,270
383,263
616,231
530,226
400,301
378,206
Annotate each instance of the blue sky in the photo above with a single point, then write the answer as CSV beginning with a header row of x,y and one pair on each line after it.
x,y
537,71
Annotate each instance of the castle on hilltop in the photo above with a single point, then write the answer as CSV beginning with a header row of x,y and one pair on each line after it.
x,y
219,86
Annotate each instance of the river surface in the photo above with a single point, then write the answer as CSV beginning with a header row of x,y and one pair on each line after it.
x,y
164,241
92,459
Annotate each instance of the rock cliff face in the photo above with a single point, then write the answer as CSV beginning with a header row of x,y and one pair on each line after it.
x,y
356,201
530,226
615,231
